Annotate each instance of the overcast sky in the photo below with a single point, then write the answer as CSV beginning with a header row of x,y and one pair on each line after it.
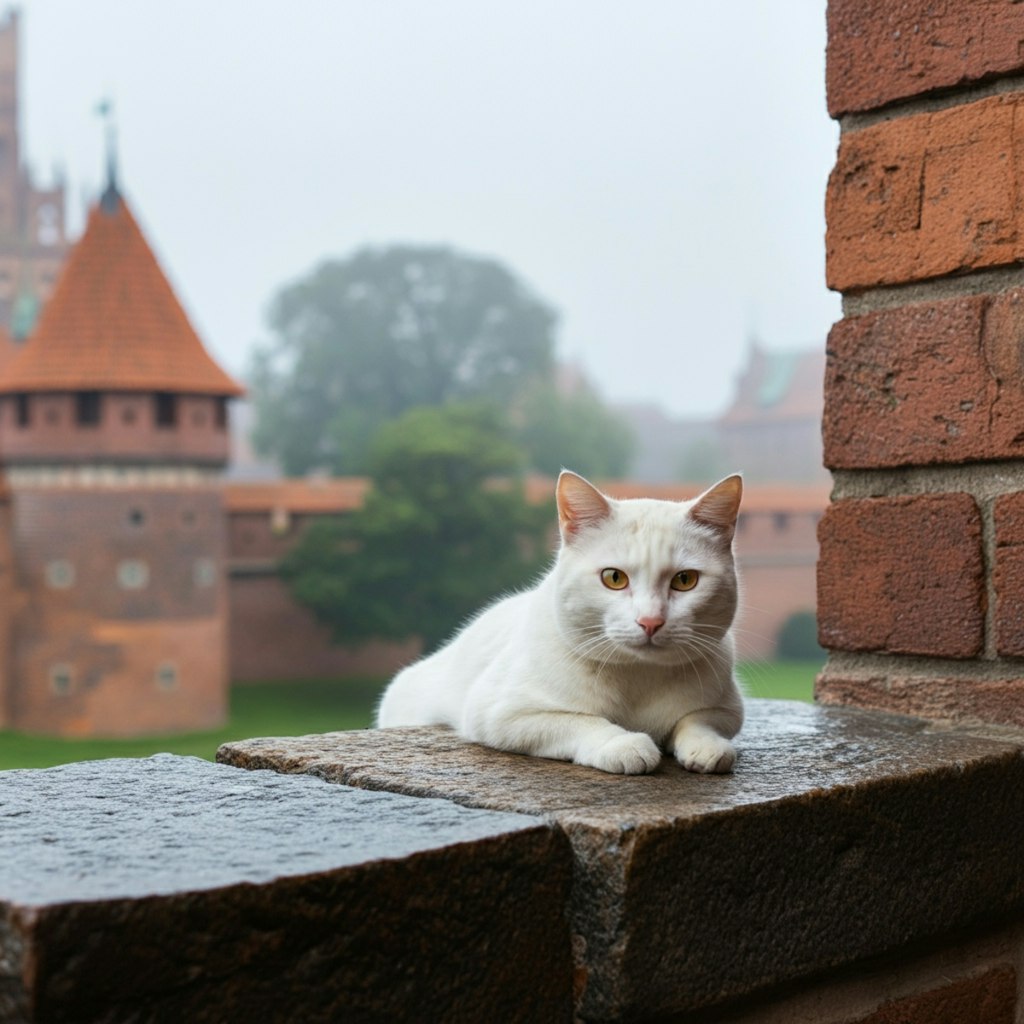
x,y
655,169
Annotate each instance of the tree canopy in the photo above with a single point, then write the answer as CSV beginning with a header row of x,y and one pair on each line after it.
x,y
445,527
571,431
360,341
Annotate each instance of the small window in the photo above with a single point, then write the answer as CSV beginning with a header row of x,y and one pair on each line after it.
x,y
87,408
22,409
781,521
61,679
167,676
204,572
60,574
166,410
220,412
132,574
136,517
280,520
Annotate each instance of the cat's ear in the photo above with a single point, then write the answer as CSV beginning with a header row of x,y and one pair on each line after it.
x,y
719,506
580,504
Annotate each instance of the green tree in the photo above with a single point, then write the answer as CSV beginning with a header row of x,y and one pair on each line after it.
x,y
360,341
444,528
575,431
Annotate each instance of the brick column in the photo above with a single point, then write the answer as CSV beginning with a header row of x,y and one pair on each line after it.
x,y
921,576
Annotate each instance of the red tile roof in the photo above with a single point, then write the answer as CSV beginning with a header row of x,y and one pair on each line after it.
x,y
345,494
113,322
340,494
9,348
771,497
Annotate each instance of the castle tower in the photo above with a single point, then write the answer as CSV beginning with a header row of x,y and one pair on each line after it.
x,y
33,242
113,436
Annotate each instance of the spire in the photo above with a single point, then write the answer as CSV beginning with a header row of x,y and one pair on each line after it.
x,y
111,198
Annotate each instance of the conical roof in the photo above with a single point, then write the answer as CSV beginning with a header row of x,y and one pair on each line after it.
x,y
113,322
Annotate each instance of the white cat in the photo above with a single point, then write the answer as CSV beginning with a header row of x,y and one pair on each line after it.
x,y
622,650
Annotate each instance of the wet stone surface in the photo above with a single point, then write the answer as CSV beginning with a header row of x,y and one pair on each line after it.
x,y
842,834
169,888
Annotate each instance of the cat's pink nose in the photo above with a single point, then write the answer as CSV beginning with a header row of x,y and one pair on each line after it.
x,y
650,625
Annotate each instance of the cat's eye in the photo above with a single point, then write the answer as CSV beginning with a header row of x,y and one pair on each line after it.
x,y
685,580
614,579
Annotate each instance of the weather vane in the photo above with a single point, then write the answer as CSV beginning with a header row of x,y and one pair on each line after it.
x,y
105,110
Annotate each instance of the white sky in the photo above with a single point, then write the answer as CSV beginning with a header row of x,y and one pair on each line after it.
x,y
656,169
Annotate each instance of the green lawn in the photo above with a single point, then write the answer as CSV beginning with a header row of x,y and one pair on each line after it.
x,y
780,680
293,709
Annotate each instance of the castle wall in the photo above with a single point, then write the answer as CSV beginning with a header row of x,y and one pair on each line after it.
x,y
273,637
120,619
7,605
126,431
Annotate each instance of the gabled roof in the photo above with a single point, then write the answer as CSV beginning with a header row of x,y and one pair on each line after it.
x,y
113,322
777,386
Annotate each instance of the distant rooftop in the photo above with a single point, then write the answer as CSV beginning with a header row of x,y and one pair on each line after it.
x,y
778,386
114,322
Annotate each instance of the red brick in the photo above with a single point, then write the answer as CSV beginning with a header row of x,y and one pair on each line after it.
x,y
902,575
880,52
1000,701
989,998
926,195
926,384
1009,574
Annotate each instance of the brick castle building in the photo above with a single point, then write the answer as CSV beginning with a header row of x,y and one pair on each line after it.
x,y
113,436
33,242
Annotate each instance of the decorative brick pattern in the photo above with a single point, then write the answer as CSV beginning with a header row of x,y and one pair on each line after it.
x,y
927,383
880,52
927,195
902,575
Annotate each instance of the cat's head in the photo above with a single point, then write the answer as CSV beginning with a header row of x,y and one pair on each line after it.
x,y
643,580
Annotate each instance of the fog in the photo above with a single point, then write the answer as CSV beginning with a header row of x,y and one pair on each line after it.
x,y
656,170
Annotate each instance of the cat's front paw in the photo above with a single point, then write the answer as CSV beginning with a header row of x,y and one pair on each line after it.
x,y
706,753
630,753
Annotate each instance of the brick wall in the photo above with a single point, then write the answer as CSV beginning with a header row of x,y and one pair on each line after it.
x,y
274,638
921,594
119,610
127,431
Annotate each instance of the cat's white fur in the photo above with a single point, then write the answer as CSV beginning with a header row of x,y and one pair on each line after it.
x,y
568,669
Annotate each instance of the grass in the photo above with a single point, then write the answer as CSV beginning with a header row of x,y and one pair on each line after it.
x,y
263,709
296,708
780,680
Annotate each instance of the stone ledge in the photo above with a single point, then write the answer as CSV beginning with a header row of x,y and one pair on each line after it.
x,y
172,889
843,834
